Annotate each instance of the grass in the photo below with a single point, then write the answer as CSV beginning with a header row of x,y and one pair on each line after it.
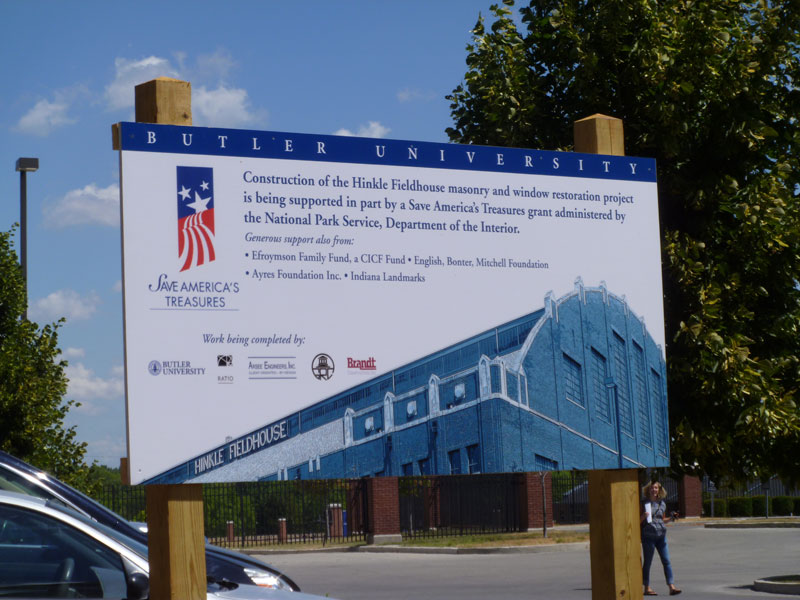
x,y
493,540
486,540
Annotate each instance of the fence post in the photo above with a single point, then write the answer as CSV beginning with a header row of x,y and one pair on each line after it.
x,y
336,525
690,496
383,510
432,501
535,490
283,534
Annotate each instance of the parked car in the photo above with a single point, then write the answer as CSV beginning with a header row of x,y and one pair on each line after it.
x,y
221,564
48,550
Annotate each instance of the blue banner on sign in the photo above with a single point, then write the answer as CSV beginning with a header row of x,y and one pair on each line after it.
x,y
372,151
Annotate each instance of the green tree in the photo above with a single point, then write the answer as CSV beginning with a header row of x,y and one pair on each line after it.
x,y
33,383
710,90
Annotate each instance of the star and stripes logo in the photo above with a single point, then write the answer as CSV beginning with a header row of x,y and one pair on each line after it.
x,y
195,216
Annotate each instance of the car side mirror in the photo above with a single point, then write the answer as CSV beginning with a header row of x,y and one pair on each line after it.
x,y
138,586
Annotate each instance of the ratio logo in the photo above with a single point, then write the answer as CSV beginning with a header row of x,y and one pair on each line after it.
x,y
322,366
224,360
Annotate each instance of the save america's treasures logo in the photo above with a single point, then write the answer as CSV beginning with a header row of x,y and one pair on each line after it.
x,y
195,216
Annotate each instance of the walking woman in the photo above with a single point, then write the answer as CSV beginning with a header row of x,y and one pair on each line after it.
x,y
654,536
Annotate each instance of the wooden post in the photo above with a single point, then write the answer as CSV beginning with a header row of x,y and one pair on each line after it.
x,y
614,534
124,471
176,540
599,134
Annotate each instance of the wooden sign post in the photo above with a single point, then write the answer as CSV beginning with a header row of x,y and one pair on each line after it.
x,y
614,535
176,539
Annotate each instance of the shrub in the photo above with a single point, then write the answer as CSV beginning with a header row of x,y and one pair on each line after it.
x,y
740,506
720,507
783,505
796,505
760,506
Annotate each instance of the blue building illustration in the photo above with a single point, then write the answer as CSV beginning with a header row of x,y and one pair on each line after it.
x,y
577,384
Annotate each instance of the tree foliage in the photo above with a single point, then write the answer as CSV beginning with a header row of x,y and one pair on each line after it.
x,y
33,383
710,89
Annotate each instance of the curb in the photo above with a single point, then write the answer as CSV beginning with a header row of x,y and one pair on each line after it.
x,y
395,549
270,552
568,547
751,525
783,584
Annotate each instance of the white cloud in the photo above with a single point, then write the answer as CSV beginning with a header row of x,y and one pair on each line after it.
x,y
44,117
412,94
214,67
91,205
130,73
70,353
65,303
224,107
48,115
373,130
117,287
215,104
85,385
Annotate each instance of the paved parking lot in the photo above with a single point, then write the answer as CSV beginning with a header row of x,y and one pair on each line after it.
x,y
708,564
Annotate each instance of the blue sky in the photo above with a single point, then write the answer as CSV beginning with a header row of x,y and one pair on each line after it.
x,y
379,69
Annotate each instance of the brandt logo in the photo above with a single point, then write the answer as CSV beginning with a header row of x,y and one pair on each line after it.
x,y
322,366
361,365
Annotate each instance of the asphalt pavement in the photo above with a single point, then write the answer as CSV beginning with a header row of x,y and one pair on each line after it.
x,y
708,564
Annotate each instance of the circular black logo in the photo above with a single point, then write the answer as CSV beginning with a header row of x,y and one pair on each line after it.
x,y
322,366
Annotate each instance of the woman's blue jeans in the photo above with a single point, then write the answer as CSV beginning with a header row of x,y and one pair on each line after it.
x,y
649,546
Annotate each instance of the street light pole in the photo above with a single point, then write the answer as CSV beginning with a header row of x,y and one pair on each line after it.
x,y
24,165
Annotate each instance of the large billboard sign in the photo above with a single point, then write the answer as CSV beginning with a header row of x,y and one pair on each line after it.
x,y
319,306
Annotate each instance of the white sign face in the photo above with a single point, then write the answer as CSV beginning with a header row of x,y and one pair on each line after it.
x,y
264,272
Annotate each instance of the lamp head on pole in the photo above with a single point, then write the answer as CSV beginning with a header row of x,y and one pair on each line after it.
x,y
27,164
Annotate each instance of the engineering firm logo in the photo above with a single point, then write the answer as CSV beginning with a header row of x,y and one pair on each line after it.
x,y
322,367
195,216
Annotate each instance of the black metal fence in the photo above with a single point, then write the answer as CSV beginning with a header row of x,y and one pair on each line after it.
x,y
304,511
775,487
264,513
459,504
570,497
751,498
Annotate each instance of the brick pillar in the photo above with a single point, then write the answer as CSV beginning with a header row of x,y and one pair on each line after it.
x,y
283,535
230,531
690,496
335,522
530,500
383,510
